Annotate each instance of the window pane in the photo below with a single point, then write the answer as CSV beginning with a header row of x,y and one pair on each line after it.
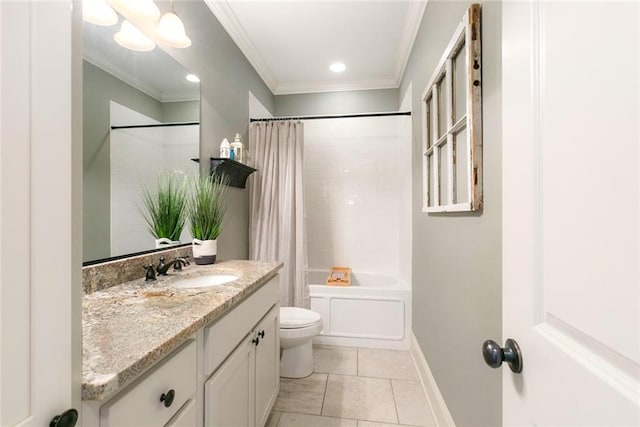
x,y
442,108
462,165
444,175
432,179
459,85
429,131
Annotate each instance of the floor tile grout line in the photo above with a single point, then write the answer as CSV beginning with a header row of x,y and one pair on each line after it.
x,y
324,395
395,405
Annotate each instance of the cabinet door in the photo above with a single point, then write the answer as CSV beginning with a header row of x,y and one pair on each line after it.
x,y
267,364
229,393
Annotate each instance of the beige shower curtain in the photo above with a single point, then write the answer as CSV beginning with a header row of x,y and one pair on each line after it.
x,y
276,222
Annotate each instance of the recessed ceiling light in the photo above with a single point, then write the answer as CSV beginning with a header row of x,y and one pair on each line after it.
x,y
337,67
193,78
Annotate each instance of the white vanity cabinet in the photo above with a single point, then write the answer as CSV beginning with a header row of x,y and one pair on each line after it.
x,y
227,374
244,383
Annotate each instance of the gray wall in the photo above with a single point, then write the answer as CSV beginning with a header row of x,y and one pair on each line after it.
x,y
99,88
226,77
348,102
457,298
183,111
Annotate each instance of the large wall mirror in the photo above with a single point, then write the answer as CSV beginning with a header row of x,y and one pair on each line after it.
x,y
140,117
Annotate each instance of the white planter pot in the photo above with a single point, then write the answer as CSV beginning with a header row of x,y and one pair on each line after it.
x,y
205,251
164,242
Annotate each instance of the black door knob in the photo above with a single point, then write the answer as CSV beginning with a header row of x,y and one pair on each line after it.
x,y
494,355
66,419
167,398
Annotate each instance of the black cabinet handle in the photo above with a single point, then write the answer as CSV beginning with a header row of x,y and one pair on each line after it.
x,y
261,334
167,398
256,340
66,419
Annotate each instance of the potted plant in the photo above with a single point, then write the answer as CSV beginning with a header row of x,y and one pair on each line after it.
x,y
206,208
165,209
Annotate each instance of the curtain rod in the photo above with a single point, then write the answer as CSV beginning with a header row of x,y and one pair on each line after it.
x,y
337,116
155,125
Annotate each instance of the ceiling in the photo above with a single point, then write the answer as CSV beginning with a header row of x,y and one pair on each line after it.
x,y
292,43
154,73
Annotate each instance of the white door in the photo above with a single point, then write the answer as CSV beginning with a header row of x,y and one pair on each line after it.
x,y
571,193
40,267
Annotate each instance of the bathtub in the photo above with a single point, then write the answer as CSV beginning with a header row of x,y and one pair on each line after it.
x,y
374,312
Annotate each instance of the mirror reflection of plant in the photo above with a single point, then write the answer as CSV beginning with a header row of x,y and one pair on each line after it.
x,y
207,206
165,210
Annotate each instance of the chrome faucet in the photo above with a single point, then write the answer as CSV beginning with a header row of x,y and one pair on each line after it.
x,y
177,263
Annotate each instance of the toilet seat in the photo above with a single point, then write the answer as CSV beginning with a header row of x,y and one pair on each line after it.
x,y
298,318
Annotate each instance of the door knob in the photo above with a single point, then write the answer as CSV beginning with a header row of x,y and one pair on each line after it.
x,y
494,355
167,398
66,419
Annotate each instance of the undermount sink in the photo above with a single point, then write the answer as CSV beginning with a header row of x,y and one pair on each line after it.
x,y
205,281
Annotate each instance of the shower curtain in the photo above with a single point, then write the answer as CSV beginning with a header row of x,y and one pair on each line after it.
x,y
276,222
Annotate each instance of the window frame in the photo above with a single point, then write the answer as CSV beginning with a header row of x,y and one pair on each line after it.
x,y
440,144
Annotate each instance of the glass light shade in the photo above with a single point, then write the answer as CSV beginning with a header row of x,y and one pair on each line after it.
x,y
337,67
170,31
132,38
98,12
141,9
193,78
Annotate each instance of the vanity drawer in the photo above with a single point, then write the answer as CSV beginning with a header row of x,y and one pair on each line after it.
x,y
221,337
140,404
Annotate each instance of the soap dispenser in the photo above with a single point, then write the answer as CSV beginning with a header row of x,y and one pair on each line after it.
x,y
238,148
225,149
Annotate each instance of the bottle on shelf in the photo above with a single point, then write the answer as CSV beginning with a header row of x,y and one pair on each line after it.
x,y
225,149
238,148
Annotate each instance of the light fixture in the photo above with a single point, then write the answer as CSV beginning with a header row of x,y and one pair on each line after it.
x,y
170,31
98,12
193,78
337,67
132,38
140,9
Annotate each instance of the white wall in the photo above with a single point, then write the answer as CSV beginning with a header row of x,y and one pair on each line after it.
x,y
353,198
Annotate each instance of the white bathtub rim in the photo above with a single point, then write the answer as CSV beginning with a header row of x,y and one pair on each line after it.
x,y
396,282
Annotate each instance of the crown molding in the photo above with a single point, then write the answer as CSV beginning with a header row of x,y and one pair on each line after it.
x,y
332,86
230,22
411,27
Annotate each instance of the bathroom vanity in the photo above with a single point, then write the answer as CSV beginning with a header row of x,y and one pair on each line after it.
x,y
157,354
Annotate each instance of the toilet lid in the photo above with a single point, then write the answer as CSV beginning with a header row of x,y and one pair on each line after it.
x,y
294,317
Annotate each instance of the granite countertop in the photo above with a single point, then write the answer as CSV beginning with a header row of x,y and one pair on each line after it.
x,y
128,327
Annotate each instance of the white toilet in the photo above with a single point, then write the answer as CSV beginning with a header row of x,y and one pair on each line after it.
x,y
298,326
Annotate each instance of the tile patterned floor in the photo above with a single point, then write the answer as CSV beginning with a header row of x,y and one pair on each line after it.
x,y
354,387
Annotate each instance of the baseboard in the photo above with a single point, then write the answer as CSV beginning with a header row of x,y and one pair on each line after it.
x,y
439,409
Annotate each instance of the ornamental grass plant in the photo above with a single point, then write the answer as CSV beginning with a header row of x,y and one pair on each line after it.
x,y
165,209
207,206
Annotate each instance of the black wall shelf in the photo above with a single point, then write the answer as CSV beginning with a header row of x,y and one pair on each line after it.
x,y
236,171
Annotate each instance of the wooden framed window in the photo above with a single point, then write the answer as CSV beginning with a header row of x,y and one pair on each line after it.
x,y
452,124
